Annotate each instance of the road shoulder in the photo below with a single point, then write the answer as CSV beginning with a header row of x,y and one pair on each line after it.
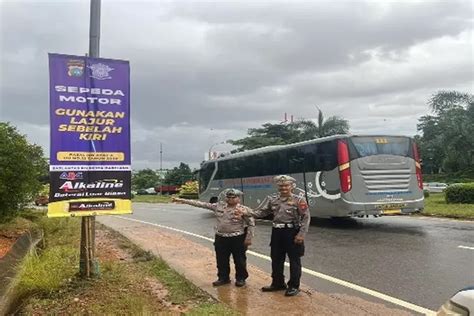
x,y
197,264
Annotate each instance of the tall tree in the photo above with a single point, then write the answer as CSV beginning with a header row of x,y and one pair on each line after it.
x,y
145,179
179,175
267,135
21,166
301,130
333,125
448,100
446,140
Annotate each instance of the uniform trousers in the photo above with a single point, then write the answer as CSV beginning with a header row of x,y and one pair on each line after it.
x,y
282,244
225,246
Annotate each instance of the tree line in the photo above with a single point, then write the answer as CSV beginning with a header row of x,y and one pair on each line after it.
x,y
148,178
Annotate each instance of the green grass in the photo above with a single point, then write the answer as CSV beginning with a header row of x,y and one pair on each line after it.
x,y
48,269
47,272
152,198
20,223
48,281
180,289
435,205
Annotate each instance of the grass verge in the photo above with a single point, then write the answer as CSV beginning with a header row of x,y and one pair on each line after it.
x,y
435,205
152,198
131,280
25,221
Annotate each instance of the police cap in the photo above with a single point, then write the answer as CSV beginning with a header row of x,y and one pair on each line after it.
x,y
284,179
233,192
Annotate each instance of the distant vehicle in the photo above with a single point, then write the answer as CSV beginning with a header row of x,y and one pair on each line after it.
x,y
435,187
150,191
41,200
146,191
340,176
167,189
461,303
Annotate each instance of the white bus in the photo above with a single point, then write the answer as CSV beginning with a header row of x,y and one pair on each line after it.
x,y
340,176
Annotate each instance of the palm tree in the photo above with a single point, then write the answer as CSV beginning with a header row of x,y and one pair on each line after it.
x,y
333,125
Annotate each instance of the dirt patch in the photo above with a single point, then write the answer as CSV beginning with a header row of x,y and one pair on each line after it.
x,y
5,245
109,248
8,238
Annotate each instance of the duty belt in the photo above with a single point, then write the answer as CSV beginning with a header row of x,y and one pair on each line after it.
x,y
283,225
230,234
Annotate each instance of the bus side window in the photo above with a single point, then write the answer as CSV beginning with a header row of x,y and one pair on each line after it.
x,y
327,156
310,154
295,161
274,163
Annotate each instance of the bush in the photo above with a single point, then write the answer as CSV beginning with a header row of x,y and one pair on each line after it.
x,y
460,193
426,193
189,190
21,166
191,196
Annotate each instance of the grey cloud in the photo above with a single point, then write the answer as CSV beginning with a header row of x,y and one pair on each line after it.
x,y
325,34
205,72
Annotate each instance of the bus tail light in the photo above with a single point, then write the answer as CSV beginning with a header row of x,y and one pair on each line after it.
x,y
344,166
416,156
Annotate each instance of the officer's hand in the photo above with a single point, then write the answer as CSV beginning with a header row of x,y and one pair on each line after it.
x,y
241,211
247,242
299,239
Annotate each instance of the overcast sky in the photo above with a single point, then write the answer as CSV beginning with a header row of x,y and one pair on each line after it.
x,y
205,72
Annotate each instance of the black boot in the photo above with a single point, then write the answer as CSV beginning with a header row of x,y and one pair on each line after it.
x,y
292,291
273,288
220,282
239,283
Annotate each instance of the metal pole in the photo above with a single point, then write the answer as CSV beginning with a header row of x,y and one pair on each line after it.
x,y
87,249
87,264
94,29
161,157
161,168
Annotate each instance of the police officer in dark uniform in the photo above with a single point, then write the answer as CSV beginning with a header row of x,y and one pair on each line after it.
x,y
234,232
290,224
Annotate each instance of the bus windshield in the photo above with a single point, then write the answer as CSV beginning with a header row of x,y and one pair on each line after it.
x,y
369,146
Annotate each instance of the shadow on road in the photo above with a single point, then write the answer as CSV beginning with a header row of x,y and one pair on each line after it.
x,y
372,225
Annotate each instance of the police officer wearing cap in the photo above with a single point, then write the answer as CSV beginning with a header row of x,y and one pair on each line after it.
x,y
290,224
234,232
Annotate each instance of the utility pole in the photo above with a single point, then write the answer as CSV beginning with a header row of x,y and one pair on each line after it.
x,y
161,168
88,265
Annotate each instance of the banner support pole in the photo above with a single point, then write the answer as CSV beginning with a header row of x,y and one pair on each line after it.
x,y
88,266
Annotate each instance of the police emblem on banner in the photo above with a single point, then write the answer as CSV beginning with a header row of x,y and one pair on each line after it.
x,y
100,71
75,68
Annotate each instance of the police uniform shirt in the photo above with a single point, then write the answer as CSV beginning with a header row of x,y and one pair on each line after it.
x,y
229,222
285,210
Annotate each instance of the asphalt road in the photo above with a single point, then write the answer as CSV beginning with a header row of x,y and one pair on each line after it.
x,y
419,260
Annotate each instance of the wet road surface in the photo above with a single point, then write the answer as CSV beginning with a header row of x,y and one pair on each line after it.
x,y
415,259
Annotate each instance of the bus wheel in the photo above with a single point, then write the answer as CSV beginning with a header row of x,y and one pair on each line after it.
x,y
213,199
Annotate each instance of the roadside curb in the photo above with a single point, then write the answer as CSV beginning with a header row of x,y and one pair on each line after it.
x,y
9,264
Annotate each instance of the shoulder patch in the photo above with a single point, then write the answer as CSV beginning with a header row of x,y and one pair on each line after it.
x,y
302,205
